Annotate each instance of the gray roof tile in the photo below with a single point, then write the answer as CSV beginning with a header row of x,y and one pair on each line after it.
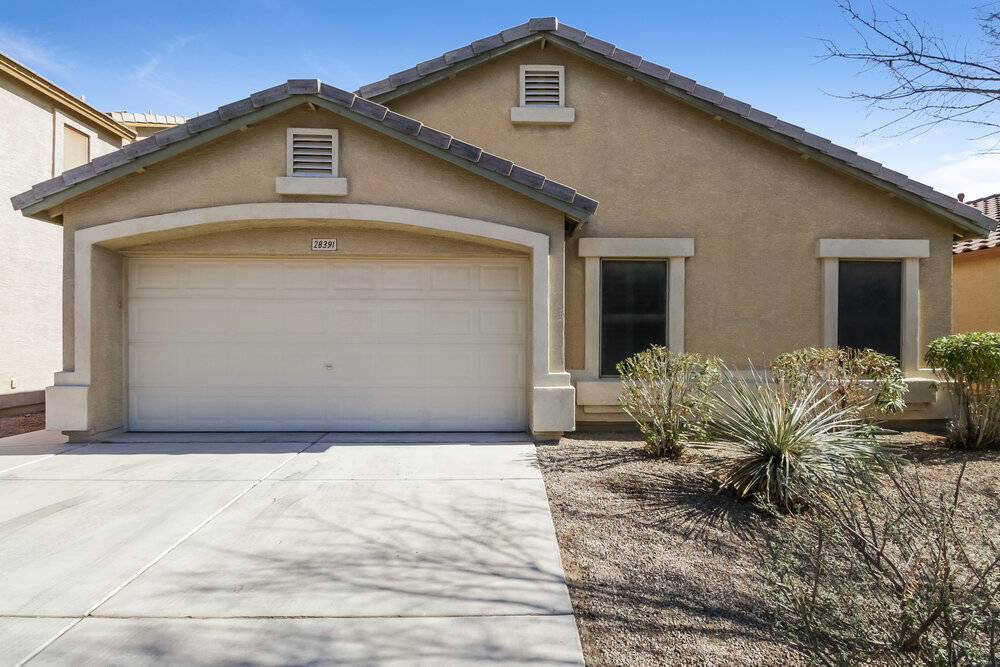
x,y
51,186
172,134
815,141
234,109
303,86
143,146
652,69
458,55
495,163
517,32
543,23
737,107
377,88
571,33
626,57
434,137
487,43
264,97
682,82
789,130
584,203
404,77
708,94
988,207
431,66
204,122
402,123
559,191
338,95
762,117
527,177
598,45
369,109
466,150
77,174
108,161
23,200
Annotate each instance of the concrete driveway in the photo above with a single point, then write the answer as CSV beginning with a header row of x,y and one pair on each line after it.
x,y
294,548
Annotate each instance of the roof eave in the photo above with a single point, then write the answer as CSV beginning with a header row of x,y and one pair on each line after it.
x,y
761,129
39,209
63,98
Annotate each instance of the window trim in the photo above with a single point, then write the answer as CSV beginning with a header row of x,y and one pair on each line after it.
x,y
910,252
59,122
593,250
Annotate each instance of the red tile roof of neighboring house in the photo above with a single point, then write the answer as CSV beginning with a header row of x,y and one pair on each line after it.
x,y
991,207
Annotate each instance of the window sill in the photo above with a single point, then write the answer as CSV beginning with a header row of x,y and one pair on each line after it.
x,y
542,115
301,185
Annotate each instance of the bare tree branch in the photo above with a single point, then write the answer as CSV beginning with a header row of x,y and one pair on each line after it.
x,y
929,81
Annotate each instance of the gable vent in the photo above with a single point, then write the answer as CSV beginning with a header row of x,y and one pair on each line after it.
x,y
542,86
312,152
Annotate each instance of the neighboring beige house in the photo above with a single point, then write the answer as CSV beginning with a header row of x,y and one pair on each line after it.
x,y
976,287
44,130
146,124
429,254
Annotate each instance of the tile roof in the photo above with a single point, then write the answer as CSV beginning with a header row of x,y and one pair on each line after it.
x,y
577,40
989,206
147,118
141,153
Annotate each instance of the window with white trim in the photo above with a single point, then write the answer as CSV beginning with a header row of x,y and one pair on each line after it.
x,y
543,86
312,152
871,295
634,298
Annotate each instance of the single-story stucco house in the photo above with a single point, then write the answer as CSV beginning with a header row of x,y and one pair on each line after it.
x,y
44,130
429,254
976,287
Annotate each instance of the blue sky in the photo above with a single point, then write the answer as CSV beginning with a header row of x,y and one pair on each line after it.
x,y
185,57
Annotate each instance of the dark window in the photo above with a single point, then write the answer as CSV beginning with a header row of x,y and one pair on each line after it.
x,y
868,305
633,309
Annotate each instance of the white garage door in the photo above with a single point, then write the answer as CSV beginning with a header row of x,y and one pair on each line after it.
x,y
247,345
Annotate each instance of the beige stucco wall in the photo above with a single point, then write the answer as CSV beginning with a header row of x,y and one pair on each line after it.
x,y
30,251
662,169
976,291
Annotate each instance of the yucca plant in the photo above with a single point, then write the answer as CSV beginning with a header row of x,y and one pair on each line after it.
x,y
781,448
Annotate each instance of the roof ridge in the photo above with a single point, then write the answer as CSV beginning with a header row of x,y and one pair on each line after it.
x,y
679,86
435,139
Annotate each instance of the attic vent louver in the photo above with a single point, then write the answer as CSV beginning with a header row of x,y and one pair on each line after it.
x,y
312,152
542,86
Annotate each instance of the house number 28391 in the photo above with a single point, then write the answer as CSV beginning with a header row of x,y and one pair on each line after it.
x,y
324,244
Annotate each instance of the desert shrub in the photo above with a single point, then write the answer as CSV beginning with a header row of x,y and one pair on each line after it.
x,y
785,448
668,396
970,365
893,575
867,380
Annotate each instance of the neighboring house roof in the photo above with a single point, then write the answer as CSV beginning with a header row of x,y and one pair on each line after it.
x,y
989,206
130,118
62,98
683,88
266,103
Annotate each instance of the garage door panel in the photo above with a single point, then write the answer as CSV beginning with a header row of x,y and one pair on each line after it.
x,y
240,344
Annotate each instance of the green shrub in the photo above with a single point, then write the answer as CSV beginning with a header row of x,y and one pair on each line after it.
x,y
890,576
668,396
970,365
786,448
868,380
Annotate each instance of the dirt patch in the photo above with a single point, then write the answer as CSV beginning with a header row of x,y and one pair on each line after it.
x,y
662,570
21,424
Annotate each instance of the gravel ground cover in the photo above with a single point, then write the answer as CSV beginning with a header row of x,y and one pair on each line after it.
x,y
21,424
664,571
